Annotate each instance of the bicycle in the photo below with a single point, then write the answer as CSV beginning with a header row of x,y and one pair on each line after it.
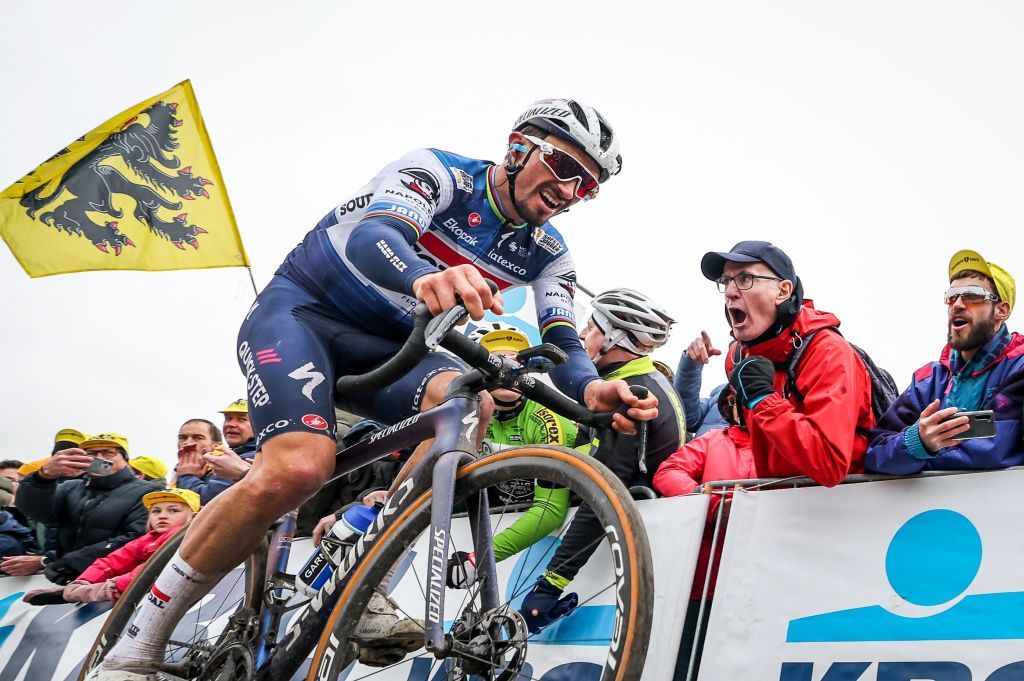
x,y
484,636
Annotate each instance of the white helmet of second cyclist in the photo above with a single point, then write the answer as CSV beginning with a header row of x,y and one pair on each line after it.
x,y
569,119
630,320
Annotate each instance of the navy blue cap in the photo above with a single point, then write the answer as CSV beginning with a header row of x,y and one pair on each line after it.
x,y
713,264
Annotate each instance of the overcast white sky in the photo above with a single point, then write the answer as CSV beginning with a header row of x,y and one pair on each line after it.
x,y
870,140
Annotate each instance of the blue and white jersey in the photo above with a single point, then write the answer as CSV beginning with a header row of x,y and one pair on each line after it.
x,y
451,215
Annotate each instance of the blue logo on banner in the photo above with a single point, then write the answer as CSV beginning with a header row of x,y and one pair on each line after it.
x,y
931,560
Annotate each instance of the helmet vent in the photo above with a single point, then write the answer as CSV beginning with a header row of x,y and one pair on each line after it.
x,y
606,136
579,113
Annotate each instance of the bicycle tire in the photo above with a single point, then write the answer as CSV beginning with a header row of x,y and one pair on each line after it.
x,y
121,616
592,481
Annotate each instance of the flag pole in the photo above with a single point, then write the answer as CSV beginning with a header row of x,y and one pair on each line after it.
x,y
252,281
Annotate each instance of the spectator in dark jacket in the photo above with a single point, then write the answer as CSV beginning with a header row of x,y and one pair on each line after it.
x,y
95,514
15,538
210,470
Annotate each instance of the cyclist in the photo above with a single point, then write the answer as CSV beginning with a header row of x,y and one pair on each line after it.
x,y
517,422
624,328
430,226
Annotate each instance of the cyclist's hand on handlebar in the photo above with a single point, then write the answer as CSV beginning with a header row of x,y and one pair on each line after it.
x,y
608,395
438,291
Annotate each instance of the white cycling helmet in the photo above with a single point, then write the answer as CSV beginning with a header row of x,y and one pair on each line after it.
x,y
630,320
580,123
499,337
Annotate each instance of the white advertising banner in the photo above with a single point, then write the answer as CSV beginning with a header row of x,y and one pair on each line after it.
x,y
884,581
50,642
674,527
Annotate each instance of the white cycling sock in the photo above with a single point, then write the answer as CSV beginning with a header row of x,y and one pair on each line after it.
x,y
176,589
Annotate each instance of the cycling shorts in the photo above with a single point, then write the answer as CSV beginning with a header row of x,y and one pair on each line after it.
x,y
291,348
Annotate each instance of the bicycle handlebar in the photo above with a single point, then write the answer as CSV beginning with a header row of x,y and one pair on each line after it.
x,y
408,356
474,354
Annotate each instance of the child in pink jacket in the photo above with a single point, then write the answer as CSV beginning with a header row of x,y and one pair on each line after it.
x,y
108,577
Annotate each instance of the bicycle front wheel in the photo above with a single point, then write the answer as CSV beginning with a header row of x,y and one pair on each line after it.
x,y
218,630
604,639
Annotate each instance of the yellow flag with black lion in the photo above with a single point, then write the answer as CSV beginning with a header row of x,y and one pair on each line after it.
x,y
143,191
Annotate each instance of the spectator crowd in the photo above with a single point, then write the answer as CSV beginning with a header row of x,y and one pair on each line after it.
x,y
797,399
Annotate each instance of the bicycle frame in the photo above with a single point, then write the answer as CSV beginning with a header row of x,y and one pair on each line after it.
x,y
454,425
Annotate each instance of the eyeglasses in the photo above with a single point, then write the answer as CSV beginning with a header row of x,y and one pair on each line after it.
x,y
566,167
744,281
970,295
104,453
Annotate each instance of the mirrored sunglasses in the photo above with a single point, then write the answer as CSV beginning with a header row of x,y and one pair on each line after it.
x,y
971,295
566,168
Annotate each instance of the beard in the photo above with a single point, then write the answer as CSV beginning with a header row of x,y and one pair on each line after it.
x,y
982,331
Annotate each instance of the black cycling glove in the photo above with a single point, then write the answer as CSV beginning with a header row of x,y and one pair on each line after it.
x,y
752,380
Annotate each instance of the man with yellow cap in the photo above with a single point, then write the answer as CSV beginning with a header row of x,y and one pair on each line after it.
x,y
94,514
149,468
981,368
66,438
214,471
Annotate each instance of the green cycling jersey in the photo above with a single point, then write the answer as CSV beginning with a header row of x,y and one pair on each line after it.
x,y
528,423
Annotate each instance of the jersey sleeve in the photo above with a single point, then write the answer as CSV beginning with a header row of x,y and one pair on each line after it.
x,y
409,192
554,292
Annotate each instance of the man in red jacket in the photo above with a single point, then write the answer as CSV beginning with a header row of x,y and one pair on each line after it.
x,y
820,428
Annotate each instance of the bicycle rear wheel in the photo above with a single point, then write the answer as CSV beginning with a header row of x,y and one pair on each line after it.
x,y
222,624
605,638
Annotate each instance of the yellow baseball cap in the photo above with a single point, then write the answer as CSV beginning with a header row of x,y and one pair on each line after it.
x,y
972,260
32,466
152,467
106,439
236,407
69,435
173,494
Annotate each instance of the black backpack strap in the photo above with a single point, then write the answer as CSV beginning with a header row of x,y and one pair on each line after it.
x,y
794,361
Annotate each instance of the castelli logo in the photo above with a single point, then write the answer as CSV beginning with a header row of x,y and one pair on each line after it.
x,y
475,219
315,422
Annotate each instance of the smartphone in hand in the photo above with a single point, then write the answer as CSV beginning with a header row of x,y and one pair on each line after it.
x,y
982,424
99,466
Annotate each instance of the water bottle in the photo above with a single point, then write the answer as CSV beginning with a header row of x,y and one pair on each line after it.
x,y
322,563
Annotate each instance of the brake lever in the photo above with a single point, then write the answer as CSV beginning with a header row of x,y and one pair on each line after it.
x,y
441,325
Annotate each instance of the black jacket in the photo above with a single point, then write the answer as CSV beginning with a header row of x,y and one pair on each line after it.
x,y
15,538
94,516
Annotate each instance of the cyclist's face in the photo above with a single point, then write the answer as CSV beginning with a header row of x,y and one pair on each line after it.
x,y
237,429
539,193
592,339
753,311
